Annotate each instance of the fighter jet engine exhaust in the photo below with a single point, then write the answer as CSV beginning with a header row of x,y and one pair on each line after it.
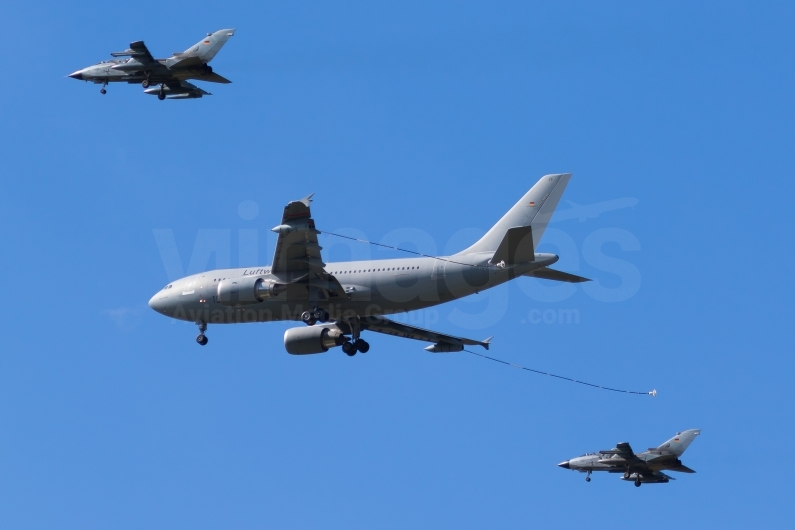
x,y
247,290
313,339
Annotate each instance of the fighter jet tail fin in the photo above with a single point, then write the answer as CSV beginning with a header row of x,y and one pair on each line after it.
x,y
535,210
206,48
679,443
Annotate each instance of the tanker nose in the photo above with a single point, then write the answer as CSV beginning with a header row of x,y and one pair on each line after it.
x,y
564,465
77,75
158,303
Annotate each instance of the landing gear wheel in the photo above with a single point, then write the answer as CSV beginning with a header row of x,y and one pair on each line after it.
x,y
349,348
103,91
362,345
145,83
201,339
587,479
637,483
321,315
161,95
308,318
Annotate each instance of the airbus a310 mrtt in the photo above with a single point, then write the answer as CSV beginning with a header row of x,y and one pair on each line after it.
x,y
351,297
166,78
645,467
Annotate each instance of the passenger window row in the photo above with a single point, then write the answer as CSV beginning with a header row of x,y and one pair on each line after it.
x,y
377,270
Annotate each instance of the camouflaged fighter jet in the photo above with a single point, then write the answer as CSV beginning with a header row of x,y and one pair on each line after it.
x,y
645,467
166,78
339,301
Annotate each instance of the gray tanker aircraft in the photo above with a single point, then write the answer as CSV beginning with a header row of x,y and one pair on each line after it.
x,y
645,467
338,301
166,78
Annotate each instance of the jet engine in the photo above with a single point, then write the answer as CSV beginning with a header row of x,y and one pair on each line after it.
x,y
247,290
312,339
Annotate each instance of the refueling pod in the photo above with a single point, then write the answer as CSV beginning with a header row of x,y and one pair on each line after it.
x,y
312,339
247,290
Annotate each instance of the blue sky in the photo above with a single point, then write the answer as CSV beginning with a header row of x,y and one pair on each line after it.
x,y
418,124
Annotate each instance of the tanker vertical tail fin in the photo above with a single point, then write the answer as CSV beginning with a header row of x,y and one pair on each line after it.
x,y
535,210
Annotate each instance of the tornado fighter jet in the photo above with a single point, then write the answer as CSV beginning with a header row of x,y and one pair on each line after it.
x,y
645,467
165,78
338,302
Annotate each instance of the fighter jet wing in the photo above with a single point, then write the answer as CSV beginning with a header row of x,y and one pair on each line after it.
x,y
622,455
443,343
681,469
137,50
621,449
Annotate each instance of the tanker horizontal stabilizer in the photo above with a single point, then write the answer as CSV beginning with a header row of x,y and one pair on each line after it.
x,y
558,276
215,78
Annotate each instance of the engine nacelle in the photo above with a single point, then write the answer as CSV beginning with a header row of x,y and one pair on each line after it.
x,y
312,339
247,290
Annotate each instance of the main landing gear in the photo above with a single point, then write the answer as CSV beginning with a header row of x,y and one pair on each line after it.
x,y
356,343
637,482
351,347
201,338
318,314
162,94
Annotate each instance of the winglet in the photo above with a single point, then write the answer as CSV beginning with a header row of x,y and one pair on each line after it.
x,y
486,342
306,200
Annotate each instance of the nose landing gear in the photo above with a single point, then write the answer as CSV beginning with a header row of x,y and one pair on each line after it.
x,y
588,476
201,338
102,90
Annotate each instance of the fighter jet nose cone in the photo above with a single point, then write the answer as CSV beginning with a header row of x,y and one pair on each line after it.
x,y
564,465
77,75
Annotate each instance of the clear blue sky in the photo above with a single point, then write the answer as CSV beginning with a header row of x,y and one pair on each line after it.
x,y
417,123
